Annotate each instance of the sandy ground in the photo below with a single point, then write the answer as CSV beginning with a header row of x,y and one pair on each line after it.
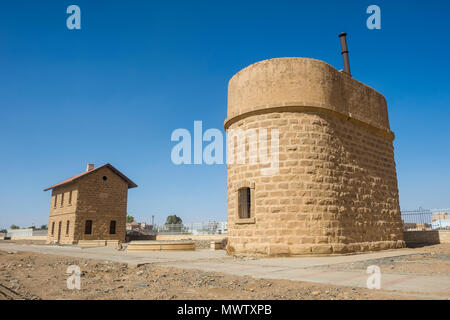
x,y
429,260
26,275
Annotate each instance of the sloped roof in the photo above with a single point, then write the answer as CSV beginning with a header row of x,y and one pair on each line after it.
x,y
131,184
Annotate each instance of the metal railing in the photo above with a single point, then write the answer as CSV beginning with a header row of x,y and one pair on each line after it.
x,y
426,219
193,228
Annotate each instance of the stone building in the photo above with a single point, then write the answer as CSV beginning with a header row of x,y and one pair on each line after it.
x,y
89,206
335,187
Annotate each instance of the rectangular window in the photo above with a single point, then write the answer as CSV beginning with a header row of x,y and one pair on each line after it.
x,y
70,197
67,227
88,227
62,199
53,228
244,203
56,200
59,230
112,227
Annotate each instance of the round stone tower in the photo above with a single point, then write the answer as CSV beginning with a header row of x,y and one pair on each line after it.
x,y
332,183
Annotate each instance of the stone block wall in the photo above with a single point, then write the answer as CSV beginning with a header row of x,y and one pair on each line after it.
x,y
62,211
428,237
93,198
101,201
336,187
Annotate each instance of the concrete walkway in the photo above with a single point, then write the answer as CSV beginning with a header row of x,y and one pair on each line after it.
x,y
292,268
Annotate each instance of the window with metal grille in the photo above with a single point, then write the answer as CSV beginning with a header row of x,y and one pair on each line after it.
x,y
244,203
88,227
112,227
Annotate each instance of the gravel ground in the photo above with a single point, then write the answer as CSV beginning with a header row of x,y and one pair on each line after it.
x,y
428,260
26,275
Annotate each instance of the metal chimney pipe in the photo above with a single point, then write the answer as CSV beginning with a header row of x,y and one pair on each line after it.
x,y
344,52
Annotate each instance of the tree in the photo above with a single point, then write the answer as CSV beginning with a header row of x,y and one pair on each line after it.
x,y
43,227
174,219
174,224
130,219
3,231
13,227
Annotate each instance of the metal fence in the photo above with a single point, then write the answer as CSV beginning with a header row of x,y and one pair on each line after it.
x,y
426,219
193,228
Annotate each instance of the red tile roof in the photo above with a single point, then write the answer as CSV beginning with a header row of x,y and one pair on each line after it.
x,y
131,184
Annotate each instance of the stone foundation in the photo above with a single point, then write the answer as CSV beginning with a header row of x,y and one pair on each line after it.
x,y
315,249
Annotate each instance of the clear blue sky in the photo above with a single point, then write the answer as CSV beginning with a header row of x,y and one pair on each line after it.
x,y
116,89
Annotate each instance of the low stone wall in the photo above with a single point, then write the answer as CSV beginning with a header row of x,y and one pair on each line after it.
x,y
444,236
191,237
154,245
23,242
426,237
133,237
30,238
201,241
206,244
